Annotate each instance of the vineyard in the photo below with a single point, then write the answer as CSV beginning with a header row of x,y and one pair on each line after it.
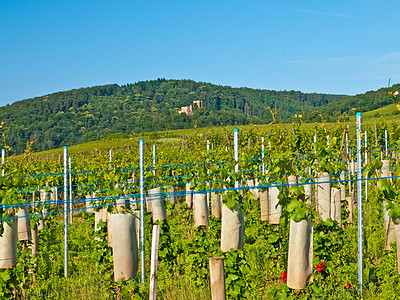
x,y
277,212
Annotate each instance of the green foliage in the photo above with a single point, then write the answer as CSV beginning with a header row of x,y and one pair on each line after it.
x,y
183,250
6,284
236,268
232,199
362,103
389,193
168,251
88,114
327,241
116,136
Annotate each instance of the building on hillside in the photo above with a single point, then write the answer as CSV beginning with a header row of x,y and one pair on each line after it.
x,y
199,103
186,110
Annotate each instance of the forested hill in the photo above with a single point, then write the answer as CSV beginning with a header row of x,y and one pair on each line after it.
x,y
76,116
363,102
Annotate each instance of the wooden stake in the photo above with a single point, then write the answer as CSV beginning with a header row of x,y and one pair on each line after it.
x,y
34,247
350,207
118,293
154,259
343,140
217,278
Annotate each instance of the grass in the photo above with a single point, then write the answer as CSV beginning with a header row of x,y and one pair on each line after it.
x,y
172,137
386,111
84,275
87,281
388,114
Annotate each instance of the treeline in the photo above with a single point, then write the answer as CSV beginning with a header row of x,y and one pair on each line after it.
x,y
362,103
81,115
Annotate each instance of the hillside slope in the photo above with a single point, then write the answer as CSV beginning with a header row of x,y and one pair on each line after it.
x,y
76,116
363,102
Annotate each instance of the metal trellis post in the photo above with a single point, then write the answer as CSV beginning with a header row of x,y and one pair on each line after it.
x,y
262,156
65,212
365,163
70,191
386,144
142,261
154,160
236,153
110,152
208,172
3,158
359,204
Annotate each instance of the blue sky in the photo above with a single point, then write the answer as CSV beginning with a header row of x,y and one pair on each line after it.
x,y
341,47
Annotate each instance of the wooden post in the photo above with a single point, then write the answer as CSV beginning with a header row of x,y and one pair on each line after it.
x,y
350,207
351,195
154,259
217,278
343,140
376,136
34,247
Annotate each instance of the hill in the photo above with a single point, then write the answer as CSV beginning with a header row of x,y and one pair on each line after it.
x,y
88,114
366,102
76,116
388,111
